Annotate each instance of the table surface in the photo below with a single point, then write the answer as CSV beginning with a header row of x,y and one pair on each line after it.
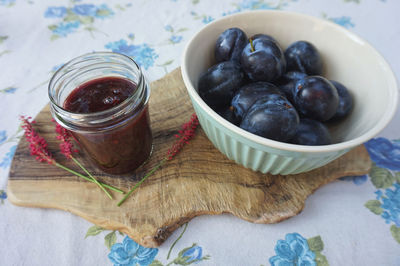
x,y
355,221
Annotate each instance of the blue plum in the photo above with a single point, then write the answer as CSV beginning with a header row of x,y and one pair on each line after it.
x,y
229,45
315,97
263,60
304,57
263,36
228,114
217,85
272,117
288,81
292,76
248,94
345,101
311,132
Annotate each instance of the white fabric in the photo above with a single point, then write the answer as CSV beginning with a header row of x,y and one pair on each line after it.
x,y
352,234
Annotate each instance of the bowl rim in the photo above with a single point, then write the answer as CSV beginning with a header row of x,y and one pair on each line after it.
x,y
387,116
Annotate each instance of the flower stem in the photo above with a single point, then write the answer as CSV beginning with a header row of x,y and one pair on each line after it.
x,y
91,176
88,179
176,241
141,181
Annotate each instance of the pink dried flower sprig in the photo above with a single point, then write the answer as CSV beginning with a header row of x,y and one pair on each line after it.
x,y
187,132
37,144
185,135
66,145
67,148
38,148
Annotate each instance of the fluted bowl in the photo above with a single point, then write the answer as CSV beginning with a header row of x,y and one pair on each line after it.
x,y
347,58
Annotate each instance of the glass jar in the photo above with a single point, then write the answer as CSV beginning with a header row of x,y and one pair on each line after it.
x,y
117,138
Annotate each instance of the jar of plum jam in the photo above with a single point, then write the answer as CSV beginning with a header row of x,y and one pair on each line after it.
x,y
102,99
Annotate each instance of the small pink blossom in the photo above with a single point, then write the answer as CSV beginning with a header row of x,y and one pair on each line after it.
x,y
66,146
37,144
185,135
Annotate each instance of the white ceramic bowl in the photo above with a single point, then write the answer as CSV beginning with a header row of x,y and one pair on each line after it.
x,y
347,59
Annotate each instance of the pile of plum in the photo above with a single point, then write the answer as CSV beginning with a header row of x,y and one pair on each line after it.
x,y
274,94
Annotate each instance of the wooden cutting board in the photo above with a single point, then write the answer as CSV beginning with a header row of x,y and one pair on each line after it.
x,y
199,180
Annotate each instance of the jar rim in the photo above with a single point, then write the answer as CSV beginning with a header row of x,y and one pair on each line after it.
x,y
78,59
113,64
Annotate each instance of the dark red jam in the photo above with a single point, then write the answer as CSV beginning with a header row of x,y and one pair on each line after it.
x,y
99,95
122,147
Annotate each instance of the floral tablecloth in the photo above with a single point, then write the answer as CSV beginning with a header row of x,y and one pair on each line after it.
x,y
355,221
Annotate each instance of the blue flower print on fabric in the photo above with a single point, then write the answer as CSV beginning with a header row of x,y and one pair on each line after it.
x,y
8,158
71,18
175,39
293,250
85,10
8,90
63,29
168,28
3,196
207,19
194,253
143,54
91,10
384,153
55,12
3,136
391,204
103,12
358,180
7,2
343,21
131,253
252,4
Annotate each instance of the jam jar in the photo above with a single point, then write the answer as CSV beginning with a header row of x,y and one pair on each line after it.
x,y
102,99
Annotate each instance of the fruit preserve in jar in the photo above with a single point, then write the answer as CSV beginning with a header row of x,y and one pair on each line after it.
x,y
102,99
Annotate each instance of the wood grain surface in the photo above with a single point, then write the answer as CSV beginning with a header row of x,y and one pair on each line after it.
x,y
199,180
